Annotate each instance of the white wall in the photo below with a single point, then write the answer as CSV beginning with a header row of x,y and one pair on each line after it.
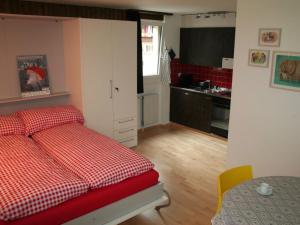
x,y
214,21
172,32
153,84
172,37
264,122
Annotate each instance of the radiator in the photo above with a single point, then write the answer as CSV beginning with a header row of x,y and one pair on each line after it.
x,y
149,113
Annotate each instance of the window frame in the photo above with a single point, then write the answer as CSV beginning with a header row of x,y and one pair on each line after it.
x,y
161,25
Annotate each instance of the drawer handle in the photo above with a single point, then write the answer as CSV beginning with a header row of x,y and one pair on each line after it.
x,y
127,140
126,121
125,131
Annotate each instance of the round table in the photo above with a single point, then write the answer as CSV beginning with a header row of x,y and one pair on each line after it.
x,y
242,205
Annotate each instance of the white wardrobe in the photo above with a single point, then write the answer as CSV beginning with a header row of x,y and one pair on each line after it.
x,y
100,69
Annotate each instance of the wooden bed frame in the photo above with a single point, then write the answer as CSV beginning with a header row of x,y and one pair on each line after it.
x,y
151,198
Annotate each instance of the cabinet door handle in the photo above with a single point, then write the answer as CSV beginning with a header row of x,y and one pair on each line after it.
x,y
111,87
186,93
126,121
125,131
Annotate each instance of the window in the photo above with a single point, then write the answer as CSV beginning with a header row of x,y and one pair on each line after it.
x,y
151,46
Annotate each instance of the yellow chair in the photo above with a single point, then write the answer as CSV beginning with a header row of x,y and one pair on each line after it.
x,y
231,178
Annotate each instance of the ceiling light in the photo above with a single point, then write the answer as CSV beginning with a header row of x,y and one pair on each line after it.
x,y
213,13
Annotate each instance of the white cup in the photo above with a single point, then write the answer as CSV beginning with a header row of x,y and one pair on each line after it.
x,y
264,188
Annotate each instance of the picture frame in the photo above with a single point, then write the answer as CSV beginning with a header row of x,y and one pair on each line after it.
x,y
285,70
259,57
33,75
269,37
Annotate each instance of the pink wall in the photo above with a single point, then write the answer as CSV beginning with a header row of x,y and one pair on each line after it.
x,y
218,76
30,37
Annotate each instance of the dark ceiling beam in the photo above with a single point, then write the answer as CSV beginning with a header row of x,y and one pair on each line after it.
x,y
155,12
66,10
153,15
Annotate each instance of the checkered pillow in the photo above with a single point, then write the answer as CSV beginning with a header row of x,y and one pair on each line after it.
x,y
44,118
10,125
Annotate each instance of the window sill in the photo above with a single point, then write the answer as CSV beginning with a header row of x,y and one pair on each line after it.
x,y
151,79
154,75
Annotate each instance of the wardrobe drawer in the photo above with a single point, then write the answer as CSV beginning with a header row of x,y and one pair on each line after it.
x,y
129,142
125,123
125,133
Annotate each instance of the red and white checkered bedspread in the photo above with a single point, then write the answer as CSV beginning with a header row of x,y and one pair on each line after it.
x,y
30,181
95,158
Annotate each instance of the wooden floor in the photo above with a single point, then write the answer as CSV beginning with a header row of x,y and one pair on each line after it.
x,y
188,162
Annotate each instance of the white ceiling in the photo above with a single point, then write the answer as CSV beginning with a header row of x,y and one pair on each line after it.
x,y
172,6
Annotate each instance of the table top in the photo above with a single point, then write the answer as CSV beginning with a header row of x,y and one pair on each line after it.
x,y
242,205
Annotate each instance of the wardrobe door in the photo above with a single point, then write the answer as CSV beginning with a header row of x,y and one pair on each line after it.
x,y
124,42
96,55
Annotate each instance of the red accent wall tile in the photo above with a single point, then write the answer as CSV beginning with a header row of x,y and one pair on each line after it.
x,y
218,76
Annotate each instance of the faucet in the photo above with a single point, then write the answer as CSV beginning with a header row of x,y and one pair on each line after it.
x,y
209,83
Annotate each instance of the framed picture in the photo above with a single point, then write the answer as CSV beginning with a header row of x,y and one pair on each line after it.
x,y
33,75
286,70
269,37
259,57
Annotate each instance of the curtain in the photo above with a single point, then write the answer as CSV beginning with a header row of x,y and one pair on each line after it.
x,y
134,15
164,62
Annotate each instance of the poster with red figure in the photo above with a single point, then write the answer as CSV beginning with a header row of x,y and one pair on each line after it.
x,y
33,75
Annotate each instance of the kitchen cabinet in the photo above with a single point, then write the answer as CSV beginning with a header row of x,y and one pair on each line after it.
x,y
206,46
220,116
100,68
228,38
191,109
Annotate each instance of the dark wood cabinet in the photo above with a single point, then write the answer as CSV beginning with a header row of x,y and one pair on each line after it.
x,y
191,109
206,46
228,38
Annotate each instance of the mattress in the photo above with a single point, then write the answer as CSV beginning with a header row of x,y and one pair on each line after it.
x,y
90,201
30,181
97,159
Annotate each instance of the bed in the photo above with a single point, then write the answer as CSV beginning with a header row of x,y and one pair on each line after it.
x,y
77,208
95,158
116,183
23,193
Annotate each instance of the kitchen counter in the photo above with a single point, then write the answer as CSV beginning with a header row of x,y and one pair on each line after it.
x,y
207,111
209,92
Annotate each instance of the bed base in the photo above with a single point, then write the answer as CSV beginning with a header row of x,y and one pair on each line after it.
x,y
151,198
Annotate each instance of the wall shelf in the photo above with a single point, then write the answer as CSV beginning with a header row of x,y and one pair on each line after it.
x,y
20,99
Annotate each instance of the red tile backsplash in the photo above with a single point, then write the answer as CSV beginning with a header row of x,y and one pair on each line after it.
x,y
218,76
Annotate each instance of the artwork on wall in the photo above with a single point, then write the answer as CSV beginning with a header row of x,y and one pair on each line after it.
x,y
33,75
286,70
258,57
269,37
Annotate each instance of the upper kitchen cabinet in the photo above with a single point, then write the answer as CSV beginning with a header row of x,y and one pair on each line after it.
x,y
206,46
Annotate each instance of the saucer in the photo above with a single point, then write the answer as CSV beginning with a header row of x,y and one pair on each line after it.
x,y
269,192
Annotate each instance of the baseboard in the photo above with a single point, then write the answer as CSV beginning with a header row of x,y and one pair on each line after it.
x,y
154,126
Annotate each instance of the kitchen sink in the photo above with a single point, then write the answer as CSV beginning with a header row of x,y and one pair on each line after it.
x,y
215,91
223,92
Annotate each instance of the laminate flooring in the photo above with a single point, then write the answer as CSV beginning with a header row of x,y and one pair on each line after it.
x,y
189,162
